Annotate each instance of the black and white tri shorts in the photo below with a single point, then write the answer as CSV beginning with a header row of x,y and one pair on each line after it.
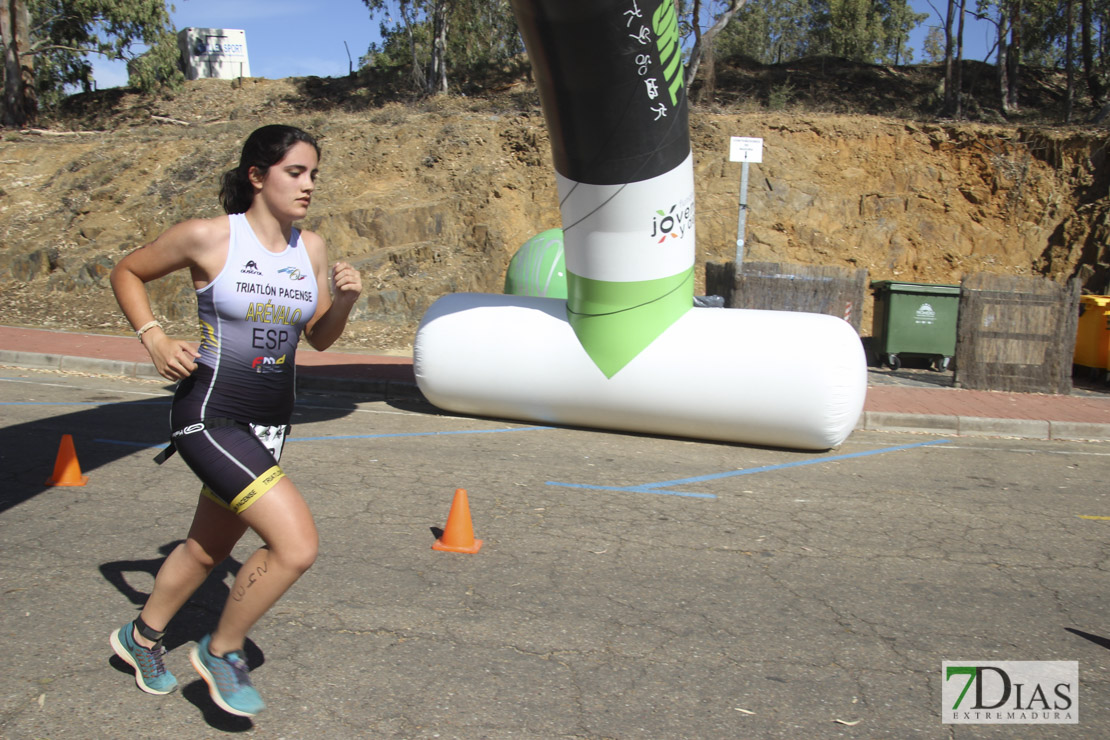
x,y
236,461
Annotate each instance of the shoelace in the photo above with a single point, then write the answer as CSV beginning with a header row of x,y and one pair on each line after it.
x,y
150,659
232,672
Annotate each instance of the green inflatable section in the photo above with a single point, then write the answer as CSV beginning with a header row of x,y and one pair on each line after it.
x,y
539,268
616,321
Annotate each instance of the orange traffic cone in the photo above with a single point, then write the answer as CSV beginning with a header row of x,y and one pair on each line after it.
x,y
458,535
67,471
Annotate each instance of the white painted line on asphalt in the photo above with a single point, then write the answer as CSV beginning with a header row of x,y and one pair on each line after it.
x,y
327,407
1025,452
415,434
70,387
337,437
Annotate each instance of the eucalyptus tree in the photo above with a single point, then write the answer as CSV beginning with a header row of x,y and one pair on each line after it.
x,y
48,44
1024,32
769,31
438,39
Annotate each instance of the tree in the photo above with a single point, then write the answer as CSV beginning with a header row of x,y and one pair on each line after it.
x,y
438,77
852,29
951,91
438,39
19,103
1068,63
1086,28
958,77
898,19
719,14
1032,31
934,45
47,44
869,31
768,31
484,35
1044,33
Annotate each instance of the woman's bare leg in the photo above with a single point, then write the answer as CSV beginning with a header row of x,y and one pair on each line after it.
x,y
213,534
283,521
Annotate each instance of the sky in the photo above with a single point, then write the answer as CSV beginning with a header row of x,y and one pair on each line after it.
x,y
286,38
979,36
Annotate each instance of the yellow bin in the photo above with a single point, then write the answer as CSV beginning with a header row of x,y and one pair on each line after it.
x,y
1092,340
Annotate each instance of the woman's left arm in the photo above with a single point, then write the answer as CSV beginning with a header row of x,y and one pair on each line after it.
x,y
337,290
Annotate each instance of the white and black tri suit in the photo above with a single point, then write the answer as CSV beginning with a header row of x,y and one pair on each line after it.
x,y
229,416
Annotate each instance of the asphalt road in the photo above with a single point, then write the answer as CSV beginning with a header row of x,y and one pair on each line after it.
x,y
628,586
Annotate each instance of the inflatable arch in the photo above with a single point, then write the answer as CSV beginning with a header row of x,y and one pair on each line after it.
x,y
626,349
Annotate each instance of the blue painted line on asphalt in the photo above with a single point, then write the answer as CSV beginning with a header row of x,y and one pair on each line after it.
x,y
657,487
795,464
416,434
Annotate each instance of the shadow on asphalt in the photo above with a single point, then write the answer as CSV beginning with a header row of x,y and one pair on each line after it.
x,y
1102,642
196,693
201,612
106,432
195,620
102,434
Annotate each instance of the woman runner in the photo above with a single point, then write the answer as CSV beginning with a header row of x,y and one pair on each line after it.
x,y
260,284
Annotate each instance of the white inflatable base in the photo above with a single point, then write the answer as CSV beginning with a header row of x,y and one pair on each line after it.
x,y
774,378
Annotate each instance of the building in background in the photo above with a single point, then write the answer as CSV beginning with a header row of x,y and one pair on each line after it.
x,y
219,53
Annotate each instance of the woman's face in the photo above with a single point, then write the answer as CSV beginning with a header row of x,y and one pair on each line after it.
x,y
287,186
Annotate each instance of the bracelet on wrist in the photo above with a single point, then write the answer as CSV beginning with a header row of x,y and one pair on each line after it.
x,y
145,328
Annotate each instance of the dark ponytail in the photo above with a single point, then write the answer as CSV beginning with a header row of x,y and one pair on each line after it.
x,y
265,147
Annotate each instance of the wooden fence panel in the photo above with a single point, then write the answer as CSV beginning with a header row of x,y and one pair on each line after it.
x,y
779,286
1016,334
720,279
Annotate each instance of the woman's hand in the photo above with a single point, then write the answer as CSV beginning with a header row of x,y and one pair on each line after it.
x,y
346,284
173,358
337,289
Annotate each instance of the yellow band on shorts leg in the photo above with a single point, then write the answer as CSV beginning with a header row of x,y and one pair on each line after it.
x,y
251,493
208,494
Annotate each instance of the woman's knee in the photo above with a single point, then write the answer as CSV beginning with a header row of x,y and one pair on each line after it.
x,y
297,554
206,556
283,521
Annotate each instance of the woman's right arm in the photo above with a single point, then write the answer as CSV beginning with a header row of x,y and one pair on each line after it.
x,y
178,247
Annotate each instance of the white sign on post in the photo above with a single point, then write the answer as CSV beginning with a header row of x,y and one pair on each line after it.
x,y
745,149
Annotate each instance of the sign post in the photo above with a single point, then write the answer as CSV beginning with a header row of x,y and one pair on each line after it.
x,y
744,150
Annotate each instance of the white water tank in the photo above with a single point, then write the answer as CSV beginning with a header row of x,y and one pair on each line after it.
x,y
219,53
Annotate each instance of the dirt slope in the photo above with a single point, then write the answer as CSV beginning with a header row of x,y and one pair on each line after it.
x,y
434,196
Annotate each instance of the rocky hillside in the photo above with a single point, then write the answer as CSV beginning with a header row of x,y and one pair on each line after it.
x,y
434,196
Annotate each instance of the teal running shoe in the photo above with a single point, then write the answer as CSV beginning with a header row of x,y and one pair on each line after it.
x,y
150,672
228,679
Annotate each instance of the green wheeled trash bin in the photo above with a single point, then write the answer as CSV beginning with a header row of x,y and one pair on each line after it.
x,y
914,319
